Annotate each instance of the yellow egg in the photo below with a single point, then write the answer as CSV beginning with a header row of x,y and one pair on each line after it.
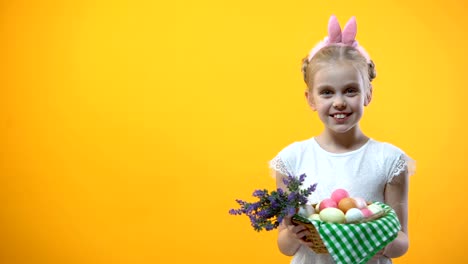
x,y
315,217
332,215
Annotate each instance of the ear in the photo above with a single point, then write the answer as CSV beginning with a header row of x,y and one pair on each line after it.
x,y
310,100
368,98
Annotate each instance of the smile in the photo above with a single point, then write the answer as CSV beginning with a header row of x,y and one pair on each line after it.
x,y
340,115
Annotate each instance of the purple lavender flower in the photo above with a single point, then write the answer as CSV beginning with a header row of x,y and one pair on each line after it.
x,y
259,193
271,208
291,211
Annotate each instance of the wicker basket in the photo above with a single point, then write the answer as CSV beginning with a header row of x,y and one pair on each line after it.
x,y
314,237
317,244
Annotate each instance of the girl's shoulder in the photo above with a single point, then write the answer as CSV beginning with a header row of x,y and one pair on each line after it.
x,y
393,157
297,147
384,148
288,158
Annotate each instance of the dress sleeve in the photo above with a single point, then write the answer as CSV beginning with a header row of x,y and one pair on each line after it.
x,y
403,163
277,164
285,160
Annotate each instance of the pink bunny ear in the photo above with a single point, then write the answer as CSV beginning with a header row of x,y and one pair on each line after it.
x,y
349,31
336,37
334,30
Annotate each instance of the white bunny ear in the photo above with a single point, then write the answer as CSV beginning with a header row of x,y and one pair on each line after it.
x,y
350,31
334,30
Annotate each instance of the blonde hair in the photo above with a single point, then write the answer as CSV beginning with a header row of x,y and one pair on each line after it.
x,y
334,54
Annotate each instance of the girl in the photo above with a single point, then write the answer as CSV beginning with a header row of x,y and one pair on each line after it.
x,y
338,73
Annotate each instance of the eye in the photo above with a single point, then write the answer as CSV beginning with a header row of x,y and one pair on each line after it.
x,y
351,91
326,92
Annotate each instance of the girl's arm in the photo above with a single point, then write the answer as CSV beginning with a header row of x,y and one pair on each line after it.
x,y
289,235
396,195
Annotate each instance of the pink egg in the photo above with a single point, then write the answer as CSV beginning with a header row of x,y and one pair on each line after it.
x,y
326,203
366,212
339,194
360,202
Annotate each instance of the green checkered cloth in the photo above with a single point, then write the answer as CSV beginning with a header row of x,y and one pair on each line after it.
x,y
357,243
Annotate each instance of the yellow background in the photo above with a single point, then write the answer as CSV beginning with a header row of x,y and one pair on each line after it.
x,y
128,128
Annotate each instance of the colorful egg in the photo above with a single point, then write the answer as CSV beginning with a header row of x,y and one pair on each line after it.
x,y
332,215
339,194
315,217
366,212
326,203
347,203
360,202
354,215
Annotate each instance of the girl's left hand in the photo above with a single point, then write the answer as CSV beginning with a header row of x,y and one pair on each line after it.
x,y
378,254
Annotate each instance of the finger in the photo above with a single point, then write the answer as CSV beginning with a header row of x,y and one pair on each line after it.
x,y
303,234
299,228
378,254
305,243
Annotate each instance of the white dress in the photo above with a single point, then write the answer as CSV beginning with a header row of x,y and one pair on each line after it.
x,y
363,173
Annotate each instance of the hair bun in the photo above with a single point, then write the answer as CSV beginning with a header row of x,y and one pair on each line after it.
x,y
305,63
372,72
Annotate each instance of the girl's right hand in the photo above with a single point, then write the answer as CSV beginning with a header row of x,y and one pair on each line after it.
x,y
297,232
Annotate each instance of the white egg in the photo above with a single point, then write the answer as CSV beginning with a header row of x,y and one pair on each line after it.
x,y
332,215
306,210
354,215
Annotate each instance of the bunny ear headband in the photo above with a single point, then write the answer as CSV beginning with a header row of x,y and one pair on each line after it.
x,y
336,37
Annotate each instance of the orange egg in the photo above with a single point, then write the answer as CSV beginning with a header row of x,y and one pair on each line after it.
x,y
347,203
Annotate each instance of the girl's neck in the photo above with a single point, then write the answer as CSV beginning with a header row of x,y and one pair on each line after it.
x,y
342,142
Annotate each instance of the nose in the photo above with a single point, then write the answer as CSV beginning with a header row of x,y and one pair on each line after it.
x,y
339,103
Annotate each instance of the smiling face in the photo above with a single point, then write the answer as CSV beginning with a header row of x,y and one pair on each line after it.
x,y
339,96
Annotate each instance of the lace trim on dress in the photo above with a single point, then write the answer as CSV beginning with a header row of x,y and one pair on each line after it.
x,y
404,163
278,165
400,167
